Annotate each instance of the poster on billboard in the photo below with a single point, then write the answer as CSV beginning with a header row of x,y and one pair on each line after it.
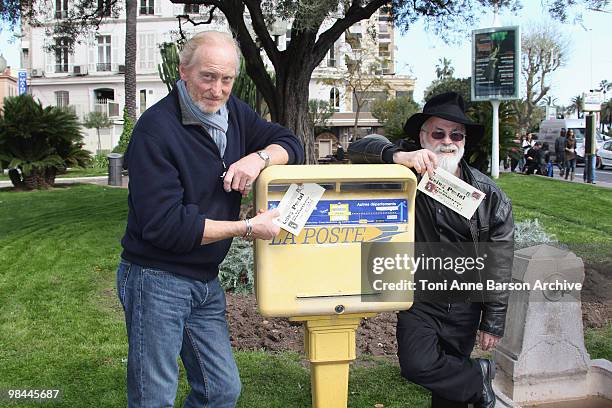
x,y
496,53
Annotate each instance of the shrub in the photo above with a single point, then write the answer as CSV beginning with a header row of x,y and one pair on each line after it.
x,y
38,142
126,134
529,233
236,271
100,161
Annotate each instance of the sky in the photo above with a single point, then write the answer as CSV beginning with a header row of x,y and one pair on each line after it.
x,y
9,48
418,52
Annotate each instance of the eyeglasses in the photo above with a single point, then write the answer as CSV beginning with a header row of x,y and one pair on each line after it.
x,y
455,135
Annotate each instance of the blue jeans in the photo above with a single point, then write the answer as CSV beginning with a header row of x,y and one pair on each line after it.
x,y
168,315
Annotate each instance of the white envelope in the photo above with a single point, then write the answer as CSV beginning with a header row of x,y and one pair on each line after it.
x,y
297,204
452,192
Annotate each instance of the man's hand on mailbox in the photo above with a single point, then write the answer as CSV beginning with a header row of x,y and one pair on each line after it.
x,y
241,175
263,227
421,160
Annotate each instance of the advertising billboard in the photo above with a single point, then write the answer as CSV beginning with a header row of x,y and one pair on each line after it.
x,y
496,61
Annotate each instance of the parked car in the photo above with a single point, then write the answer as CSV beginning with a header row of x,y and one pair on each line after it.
x,y
605,154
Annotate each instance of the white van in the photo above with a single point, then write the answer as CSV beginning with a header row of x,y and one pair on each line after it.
x,y
551,128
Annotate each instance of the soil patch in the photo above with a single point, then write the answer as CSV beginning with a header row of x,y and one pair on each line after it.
x,y
250,331
376,336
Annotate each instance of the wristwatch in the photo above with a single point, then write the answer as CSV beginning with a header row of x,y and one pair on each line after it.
x,y
265,157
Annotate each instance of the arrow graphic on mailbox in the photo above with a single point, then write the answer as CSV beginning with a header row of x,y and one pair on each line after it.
x,y
402,205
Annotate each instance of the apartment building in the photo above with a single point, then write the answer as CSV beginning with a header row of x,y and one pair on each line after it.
x,y
8,84
91,77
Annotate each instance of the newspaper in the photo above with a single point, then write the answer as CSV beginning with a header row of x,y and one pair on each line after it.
x,y
296,206
452,192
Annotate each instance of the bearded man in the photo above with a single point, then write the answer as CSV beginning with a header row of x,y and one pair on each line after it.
x,y
192,157
435,338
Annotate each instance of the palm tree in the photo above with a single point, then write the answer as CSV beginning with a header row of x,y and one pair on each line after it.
x,y
549,100
37,141
130,57
576,106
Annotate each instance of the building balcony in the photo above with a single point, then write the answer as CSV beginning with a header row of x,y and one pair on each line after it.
x,y
103,67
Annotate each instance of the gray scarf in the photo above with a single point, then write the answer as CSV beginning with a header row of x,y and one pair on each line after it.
x,y
215,123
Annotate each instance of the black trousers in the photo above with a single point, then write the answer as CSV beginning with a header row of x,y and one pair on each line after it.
x,y
434,343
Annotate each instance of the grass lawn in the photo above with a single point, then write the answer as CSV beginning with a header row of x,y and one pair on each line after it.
x,y
85,172
61,325
579,215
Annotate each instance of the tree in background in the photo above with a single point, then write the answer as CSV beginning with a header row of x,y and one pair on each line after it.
x,y
544,49
97,120
393,113
444,69
319,112
576,106
38,142
130,57
78,22
480,112
310,40
126,135
606,115
363,76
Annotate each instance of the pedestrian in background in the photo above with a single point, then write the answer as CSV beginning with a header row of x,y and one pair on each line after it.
x,y
570,155
560,151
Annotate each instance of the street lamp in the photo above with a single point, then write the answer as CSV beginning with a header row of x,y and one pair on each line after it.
x,y
590,31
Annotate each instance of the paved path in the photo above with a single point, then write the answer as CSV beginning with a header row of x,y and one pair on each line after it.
x,y
103,180
100,180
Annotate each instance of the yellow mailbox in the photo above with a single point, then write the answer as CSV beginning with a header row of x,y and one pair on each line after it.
x,y
316,277
319,271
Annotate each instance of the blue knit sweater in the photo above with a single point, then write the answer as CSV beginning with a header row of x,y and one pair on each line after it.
x,y
175,184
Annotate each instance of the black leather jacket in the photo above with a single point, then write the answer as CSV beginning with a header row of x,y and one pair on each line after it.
x,y
492,222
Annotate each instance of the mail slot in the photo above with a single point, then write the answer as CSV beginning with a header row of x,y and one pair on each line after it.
x,y
318,272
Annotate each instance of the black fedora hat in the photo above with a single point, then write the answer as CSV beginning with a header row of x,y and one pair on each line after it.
x,y
449,106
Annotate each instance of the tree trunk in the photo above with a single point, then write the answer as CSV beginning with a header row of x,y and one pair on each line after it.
x,y
35,180
130,58
293,113
357,112
50,174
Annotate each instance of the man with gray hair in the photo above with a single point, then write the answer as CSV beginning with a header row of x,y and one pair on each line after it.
x,y
192,157
436,336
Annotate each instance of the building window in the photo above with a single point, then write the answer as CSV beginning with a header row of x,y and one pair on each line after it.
x,y
287,39
383,50
147,7
334,99
104,8
143,100
104,53
147,51
192,9
61,9
62,99
61,54
331,60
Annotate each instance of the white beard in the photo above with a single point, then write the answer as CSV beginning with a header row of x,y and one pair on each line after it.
x,y
445,161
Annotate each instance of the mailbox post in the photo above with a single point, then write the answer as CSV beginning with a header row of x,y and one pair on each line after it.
x,y
316,277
